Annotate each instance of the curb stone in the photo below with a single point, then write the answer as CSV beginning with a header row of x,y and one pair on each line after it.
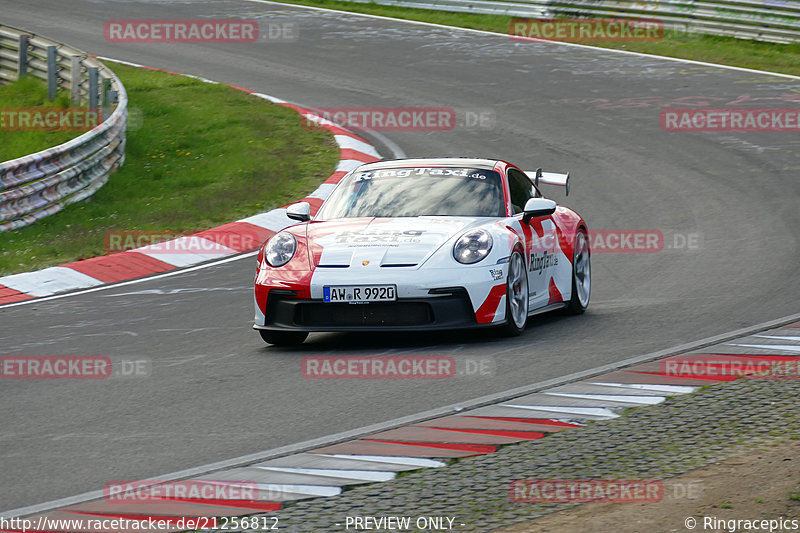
x,y
145,261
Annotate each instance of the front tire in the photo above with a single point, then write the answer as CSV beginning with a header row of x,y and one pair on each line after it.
x,y
581,274
516,296
283,338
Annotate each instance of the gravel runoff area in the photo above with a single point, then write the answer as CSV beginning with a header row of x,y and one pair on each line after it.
x,y
653,442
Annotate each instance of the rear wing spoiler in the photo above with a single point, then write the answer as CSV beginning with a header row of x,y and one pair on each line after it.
x,y
549,178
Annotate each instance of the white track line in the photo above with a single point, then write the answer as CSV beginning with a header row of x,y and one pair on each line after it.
x,y
779,337
453,409
574,45
645,400
672,389
585,411
768,347
132,281
391,459
364,475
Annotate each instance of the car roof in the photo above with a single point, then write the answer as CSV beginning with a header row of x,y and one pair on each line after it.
x,y
486,164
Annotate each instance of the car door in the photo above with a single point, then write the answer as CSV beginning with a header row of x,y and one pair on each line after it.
x,y
541,236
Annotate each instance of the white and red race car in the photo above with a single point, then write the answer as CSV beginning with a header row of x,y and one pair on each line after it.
x,y
420,244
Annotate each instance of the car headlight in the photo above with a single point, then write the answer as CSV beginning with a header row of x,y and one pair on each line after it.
x,y
472,246
280,249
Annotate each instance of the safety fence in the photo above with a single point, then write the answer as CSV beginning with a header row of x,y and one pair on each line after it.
x,y
37,185
765,20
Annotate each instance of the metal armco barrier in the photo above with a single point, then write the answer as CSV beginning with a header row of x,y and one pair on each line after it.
x,y
764,20
37,185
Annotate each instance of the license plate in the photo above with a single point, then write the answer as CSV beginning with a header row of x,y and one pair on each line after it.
x,y
359,293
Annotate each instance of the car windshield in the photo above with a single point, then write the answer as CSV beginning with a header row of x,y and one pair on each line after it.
x,y
416,191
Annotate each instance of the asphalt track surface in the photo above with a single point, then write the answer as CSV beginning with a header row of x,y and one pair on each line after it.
x,y
216,391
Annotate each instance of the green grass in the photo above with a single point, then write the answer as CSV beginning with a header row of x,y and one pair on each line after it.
x,y
758,55
198,155
25,93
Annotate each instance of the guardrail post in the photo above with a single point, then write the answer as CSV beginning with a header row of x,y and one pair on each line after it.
x,y
52,73
106,97
22,65
75,84
94,75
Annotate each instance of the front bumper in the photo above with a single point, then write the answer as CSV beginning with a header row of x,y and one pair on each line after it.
x,y
427,298
444,309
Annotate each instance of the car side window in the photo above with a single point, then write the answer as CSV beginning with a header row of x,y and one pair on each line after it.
x,y
521,188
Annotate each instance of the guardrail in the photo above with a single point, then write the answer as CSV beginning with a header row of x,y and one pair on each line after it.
x,y
764,20
37,185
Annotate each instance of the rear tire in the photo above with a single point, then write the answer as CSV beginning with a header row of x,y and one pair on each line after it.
x,y
516,296
283,338
581,274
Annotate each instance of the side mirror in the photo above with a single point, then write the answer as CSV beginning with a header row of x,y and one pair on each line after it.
x,y
538,207
300,211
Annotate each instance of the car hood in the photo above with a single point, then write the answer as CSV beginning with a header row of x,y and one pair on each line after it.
x,y
387,242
